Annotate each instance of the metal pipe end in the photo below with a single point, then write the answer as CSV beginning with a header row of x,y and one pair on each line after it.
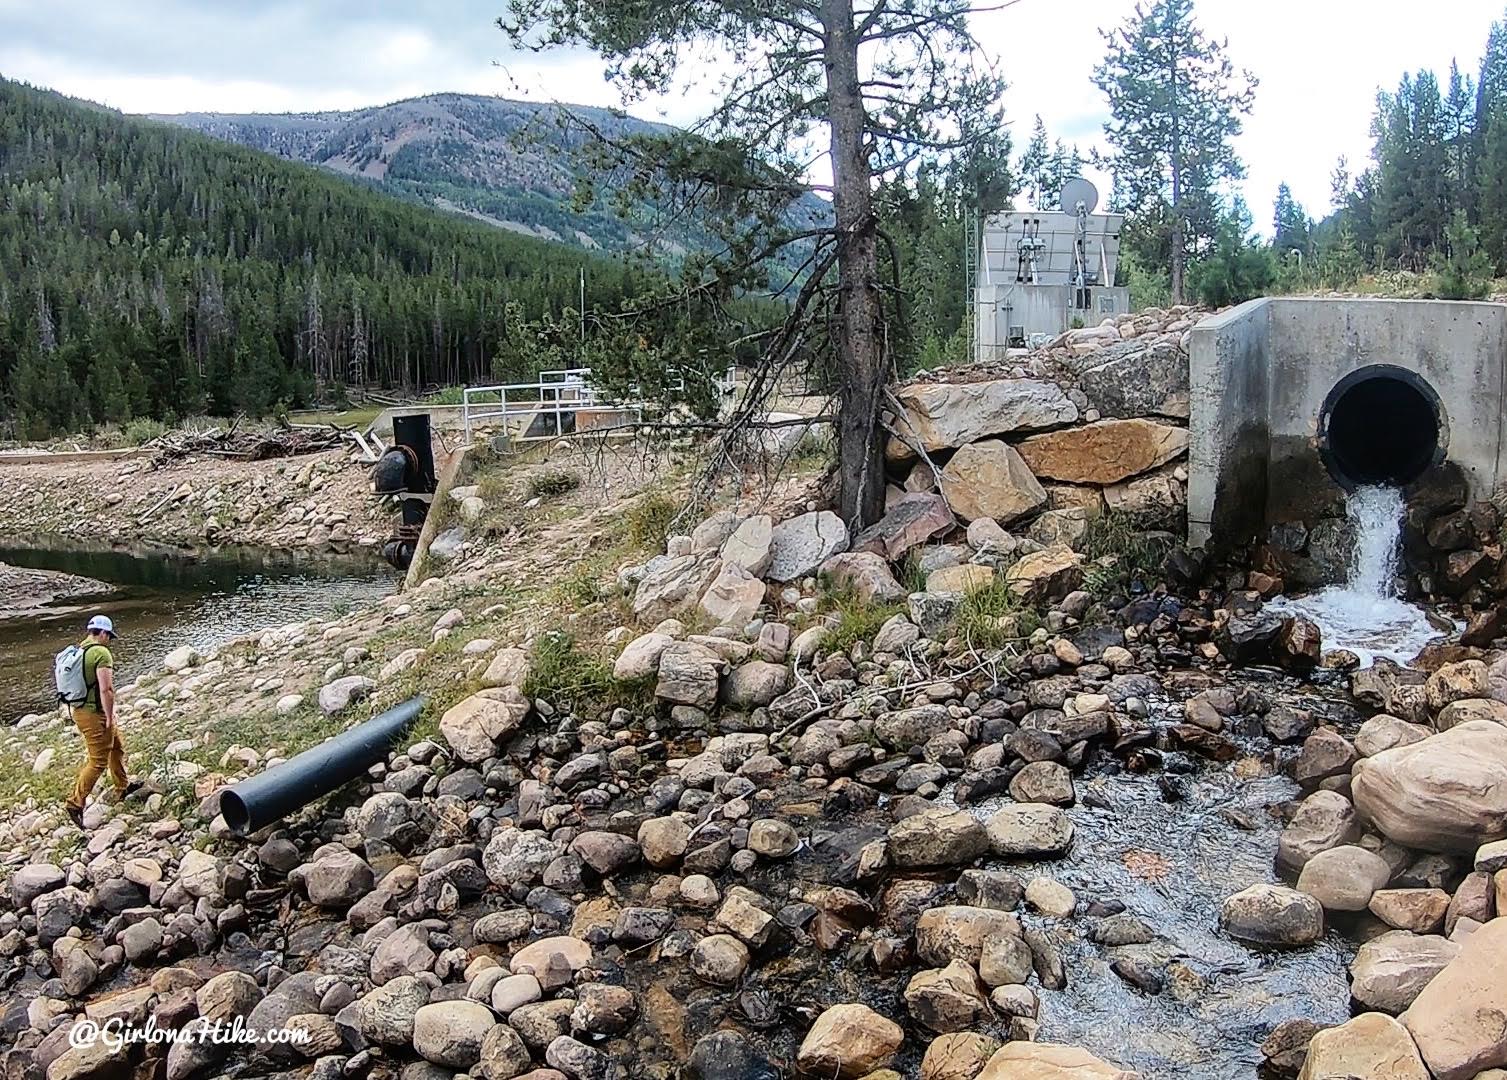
x,y
233,810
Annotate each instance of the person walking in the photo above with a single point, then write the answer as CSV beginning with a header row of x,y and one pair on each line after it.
x,y
95,719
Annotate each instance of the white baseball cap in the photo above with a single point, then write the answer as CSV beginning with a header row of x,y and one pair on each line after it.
x,y
101,624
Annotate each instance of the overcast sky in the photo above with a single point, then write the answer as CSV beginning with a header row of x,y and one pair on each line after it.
x,y
1319,62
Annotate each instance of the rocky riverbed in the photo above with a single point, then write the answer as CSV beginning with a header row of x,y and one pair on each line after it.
x,y
23,590
743,805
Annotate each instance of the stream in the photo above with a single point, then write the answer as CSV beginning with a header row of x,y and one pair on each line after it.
x,y
161,598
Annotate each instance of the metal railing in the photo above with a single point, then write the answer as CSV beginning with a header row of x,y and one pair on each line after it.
x,y
552,407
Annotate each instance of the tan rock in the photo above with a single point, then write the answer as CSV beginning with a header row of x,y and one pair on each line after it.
x,y
733,597
1419,910
1459,1020
1456,682
1447,793
1069,496
1390,970
640,658
1068,526
847,1042
674,585
990,480
942,415
1156,491
750,544
958,1056
864,574
958,932
1047,574
1372,1045
1467,709
1050,1061
510,667
474,726
959,579
947,999
1103,453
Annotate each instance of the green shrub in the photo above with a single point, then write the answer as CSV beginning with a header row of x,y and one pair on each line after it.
x,y
649,521
560,670
858,619
143,430
548,483
1137,544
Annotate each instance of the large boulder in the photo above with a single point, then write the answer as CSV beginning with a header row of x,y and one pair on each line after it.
x,y
1106,452
959,1056
990,480
799,545
1371,1046
959,932
908,523
339,695
673,585
1048,574
1390,970
1135,378
640,658
1447,793
1050,1061
1024,830
1459,1020
847,1042
947,999
944,415
750,545
474,726
451,1032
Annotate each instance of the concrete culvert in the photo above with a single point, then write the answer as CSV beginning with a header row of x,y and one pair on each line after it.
x,y
1381,425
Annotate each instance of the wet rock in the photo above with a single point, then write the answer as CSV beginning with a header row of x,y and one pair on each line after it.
x,y
728,1055
990,889
947,999
57,912
580,1062
1286,1048
937,838
959,1056
603,1010
1298,644
1457,1020
1324,820
1390,970
848,1042
720,959
956,932
799,545
1043,782
1005,960
1273,915
1029,830
988,479
1447,793
1049,1061
1344,878
1371,1045
1325,753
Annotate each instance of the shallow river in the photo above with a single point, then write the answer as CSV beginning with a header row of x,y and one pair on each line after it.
x,y
163,598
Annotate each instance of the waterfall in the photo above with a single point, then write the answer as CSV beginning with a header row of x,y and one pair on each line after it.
x,y
1365,615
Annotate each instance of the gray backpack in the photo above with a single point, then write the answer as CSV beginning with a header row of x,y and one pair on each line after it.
x,y
68,674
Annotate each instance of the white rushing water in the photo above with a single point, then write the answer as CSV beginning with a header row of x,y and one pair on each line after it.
x,y
1365,614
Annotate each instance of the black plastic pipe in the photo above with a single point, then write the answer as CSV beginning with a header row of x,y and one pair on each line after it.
x,y
255,803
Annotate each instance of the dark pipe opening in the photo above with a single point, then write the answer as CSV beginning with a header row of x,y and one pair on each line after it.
x,y
1381,425
233,809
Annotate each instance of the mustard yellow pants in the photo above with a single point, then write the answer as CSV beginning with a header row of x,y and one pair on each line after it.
x,y
105,750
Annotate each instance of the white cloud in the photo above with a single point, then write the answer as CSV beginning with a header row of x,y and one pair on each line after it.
x,y
1320,64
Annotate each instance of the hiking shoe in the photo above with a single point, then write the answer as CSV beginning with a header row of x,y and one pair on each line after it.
x,y
74,814
132,789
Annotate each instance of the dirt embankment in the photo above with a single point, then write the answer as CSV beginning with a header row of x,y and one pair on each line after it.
x,y
23,590
318,501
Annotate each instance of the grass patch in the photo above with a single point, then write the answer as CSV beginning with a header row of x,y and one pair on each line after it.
x,y
858,619
560,670
548,483
991,616
1125,547
648,521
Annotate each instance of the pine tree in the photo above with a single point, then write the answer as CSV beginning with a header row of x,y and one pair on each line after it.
x,y
1463,272
1491,147
1290,225
1175,103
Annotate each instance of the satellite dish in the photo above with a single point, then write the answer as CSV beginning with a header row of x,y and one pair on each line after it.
x,y
1078,190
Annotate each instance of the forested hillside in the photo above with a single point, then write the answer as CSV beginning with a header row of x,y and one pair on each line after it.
x,y
150,271
506,162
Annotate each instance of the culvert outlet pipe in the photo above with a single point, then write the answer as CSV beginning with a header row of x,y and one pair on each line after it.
x,y
272,795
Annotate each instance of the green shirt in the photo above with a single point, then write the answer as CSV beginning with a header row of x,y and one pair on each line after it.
x,y
96,656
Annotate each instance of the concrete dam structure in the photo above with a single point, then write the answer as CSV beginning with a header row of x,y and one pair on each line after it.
x,y
1295,402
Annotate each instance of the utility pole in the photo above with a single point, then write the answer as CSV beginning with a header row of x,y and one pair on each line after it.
x,y
583,303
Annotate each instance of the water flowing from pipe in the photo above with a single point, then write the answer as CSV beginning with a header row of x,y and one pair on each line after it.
x,y
1365,615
